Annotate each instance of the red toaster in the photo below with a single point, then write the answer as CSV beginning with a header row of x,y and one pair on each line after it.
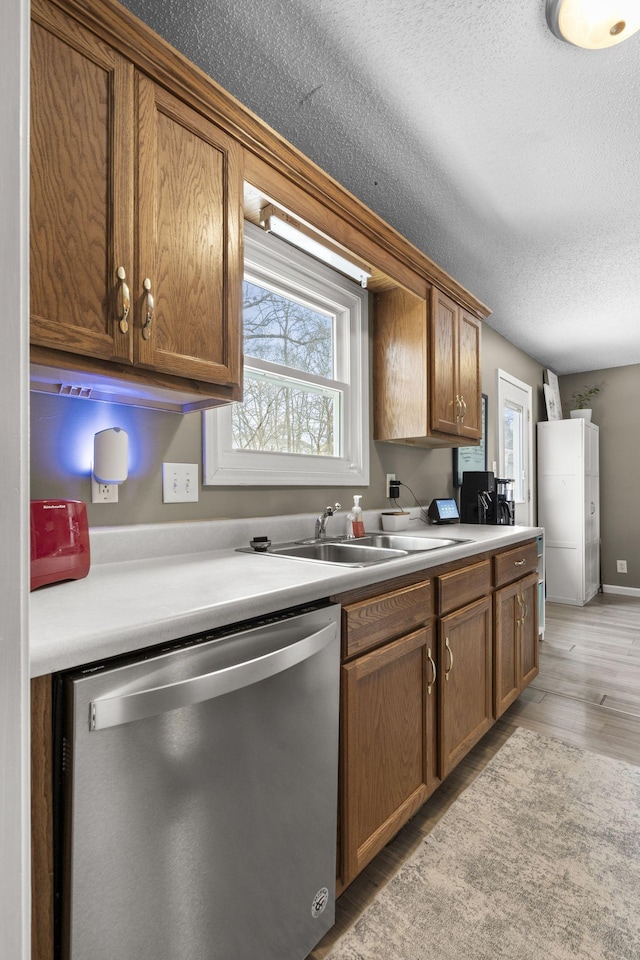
x,y
59,541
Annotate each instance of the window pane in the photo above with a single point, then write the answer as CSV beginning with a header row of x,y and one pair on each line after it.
x,y
281,416
513,436
284,331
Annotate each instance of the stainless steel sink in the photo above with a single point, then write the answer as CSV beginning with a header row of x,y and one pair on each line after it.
x,y
349,554
398,541
363,552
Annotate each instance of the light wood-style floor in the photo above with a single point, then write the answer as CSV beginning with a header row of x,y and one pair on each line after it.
x,y
587,694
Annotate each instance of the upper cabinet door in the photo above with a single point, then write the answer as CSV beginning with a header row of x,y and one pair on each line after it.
x,y
444,406
469,379
426,369
455,391
81,189
188,271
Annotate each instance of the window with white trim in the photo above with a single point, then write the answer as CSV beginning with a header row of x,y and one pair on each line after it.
x,y
304,419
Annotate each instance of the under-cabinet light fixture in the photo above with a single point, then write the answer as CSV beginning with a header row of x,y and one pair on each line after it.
x,y
593,24
277,221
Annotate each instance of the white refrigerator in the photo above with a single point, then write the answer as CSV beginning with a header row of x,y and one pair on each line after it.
x,y
569,508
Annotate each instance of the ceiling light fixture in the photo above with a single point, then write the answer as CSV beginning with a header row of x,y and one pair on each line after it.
x,y
593,24
277,221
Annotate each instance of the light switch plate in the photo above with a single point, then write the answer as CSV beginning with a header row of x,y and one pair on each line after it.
x,y
180,482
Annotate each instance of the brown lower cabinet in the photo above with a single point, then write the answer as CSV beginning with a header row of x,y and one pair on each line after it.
x,y
385,719
466,681
516,640
41,819
427,668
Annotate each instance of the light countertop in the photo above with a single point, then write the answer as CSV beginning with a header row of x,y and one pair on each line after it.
x,y
157,582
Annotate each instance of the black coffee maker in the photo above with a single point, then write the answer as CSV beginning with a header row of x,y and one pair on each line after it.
x,y
477,488
486,499
505,507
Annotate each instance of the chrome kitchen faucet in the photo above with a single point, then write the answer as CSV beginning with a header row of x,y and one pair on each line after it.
x,y
321,521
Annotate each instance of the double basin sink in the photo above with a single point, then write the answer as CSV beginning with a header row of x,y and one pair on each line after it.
x,y
363,552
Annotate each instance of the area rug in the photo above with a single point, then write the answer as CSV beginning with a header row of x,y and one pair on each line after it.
x,y
539,859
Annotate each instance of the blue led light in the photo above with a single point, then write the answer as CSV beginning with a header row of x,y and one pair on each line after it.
x,y
77,426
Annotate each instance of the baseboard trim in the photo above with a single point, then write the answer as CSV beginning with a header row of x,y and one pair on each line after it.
x,y
624,591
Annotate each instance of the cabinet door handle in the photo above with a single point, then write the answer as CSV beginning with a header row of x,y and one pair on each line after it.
x,y
450,652
433,671
520,619
520,563
463,404
150,310
124,305
458,407
523,610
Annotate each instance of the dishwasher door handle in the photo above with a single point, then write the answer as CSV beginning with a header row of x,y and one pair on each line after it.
x,y
114,711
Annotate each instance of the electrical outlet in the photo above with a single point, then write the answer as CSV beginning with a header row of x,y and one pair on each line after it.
x,y
103,492
390,477
179,482
621,566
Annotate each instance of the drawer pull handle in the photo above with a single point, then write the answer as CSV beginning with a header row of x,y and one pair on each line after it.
x,y
125,300
433,671
520,563
450,652
150,311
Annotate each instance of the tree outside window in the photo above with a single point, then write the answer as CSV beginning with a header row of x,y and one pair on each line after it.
x,y
280,413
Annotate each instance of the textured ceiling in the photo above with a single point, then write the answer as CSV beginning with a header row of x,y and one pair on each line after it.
x,y
509,157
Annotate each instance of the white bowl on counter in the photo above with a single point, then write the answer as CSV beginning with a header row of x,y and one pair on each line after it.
x,y
395,520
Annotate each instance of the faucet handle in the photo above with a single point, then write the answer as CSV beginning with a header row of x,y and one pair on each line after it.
x,y
336,506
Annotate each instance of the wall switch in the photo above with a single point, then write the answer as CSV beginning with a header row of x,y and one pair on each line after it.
x,y
621,566
103,492
179,482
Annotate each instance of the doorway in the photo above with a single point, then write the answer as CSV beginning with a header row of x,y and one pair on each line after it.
x,y
515,441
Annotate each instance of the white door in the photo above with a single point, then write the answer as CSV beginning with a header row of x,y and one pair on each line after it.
x,y
515,441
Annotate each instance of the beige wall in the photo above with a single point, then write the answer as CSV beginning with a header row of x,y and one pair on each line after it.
x,y
615,410
62,429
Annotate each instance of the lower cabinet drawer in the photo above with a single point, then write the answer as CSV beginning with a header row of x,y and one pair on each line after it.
x,y
462,586
515,563
368,623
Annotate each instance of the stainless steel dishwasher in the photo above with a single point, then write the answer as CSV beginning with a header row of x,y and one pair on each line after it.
x,y
197,796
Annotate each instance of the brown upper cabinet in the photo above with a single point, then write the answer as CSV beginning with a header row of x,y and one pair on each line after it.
x,y
136,252
427,385
139,163
455,392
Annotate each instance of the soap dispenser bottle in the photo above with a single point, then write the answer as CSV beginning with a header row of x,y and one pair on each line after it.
x,y
357,523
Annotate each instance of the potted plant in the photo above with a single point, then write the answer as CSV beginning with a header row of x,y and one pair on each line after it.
x,y
582,398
